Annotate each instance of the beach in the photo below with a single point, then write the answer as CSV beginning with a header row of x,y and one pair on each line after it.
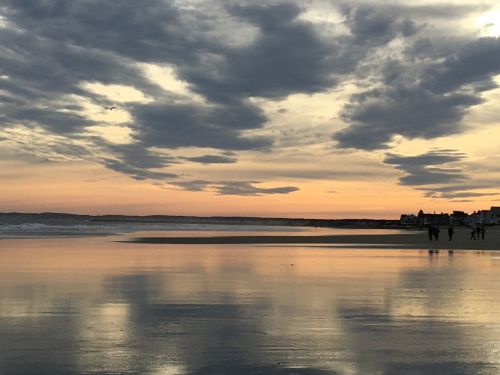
x,y
96,305
249,187
410,240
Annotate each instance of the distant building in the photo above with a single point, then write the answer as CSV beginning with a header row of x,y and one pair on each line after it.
x,y
459,218
495,215
441,219
486,217
408,220
479,217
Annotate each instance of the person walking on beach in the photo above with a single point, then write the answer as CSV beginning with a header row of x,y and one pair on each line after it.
x,y
430,231
436,233
450,233
473,234
478,231
483,232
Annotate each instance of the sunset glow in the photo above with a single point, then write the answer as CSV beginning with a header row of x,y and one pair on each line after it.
x,y
310,109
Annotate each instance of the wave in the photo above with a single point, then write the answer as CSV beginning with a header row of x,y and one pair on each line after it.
x,y
103,229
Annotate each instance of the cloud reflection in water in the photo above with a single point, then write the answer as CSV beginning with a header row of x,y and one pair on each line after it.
x,y
101,307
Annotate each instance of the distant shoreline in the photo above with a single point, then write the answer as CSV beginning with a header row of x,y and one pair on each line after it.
x,y
461,240
13,217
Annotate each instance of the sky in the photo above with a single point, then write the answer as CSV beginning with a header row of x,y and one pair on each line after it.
x,y
317,108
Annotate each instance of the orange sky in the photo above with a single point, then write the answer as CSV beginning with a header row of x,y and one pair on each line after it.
x,y
279,109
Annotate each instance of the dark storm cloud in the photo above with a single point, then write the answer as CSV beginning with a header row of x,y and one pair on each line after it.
x,y
421,99
241,188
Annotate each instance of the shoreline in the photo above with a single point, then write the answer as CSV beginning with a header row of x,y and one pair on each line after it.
x,y
461,240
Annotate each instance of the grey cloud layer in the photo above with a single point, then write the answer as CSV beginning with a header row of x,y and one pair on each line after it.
x,y
49,48
242,188
436,173
174,126
429,168
419,98
212,159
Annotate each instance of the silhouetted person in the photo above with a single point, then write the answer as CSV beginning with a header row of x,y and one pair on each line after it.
x,y
430,230
478,232
473,234
436,233
450,233
483,232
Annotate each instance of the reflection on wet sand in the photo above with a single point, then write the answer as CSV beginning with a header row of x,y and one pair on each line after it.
x,y
73,306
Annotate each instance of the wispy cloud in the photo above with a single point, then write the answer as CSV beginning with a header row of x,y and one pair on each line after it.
x,y
241,188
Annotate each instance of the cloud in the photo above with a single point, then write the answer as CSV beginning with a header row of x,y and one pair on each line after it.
x,y
231,58
139,156
475,65
463,190
157,31
287,56
51,119
437,175
376,116
241,188
248,189
195,185
192,125
212,159
53,47
429,168
375,25
136,173
421,98
137,161
459,194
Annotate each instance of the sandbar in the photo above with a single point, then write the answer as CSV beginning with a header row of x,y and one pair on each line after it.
x,y
411,240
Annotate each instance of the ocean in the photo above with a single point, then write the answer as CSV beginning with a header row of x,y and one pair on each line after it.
x,y
40,226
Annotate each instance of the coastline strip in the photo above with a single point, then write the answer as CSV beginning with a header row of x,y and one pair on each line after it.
x,y
418,240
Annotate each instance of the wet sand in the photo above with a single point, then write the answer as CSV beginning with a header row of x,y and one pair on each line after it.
x,y
411,240
98,306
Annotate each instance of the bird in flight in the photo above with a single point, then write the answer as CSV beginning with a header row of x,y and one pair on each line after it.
x,y
110,108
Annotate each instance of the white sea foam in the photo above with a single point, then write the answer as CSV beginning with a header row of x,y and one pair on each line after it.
x,y
109,228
